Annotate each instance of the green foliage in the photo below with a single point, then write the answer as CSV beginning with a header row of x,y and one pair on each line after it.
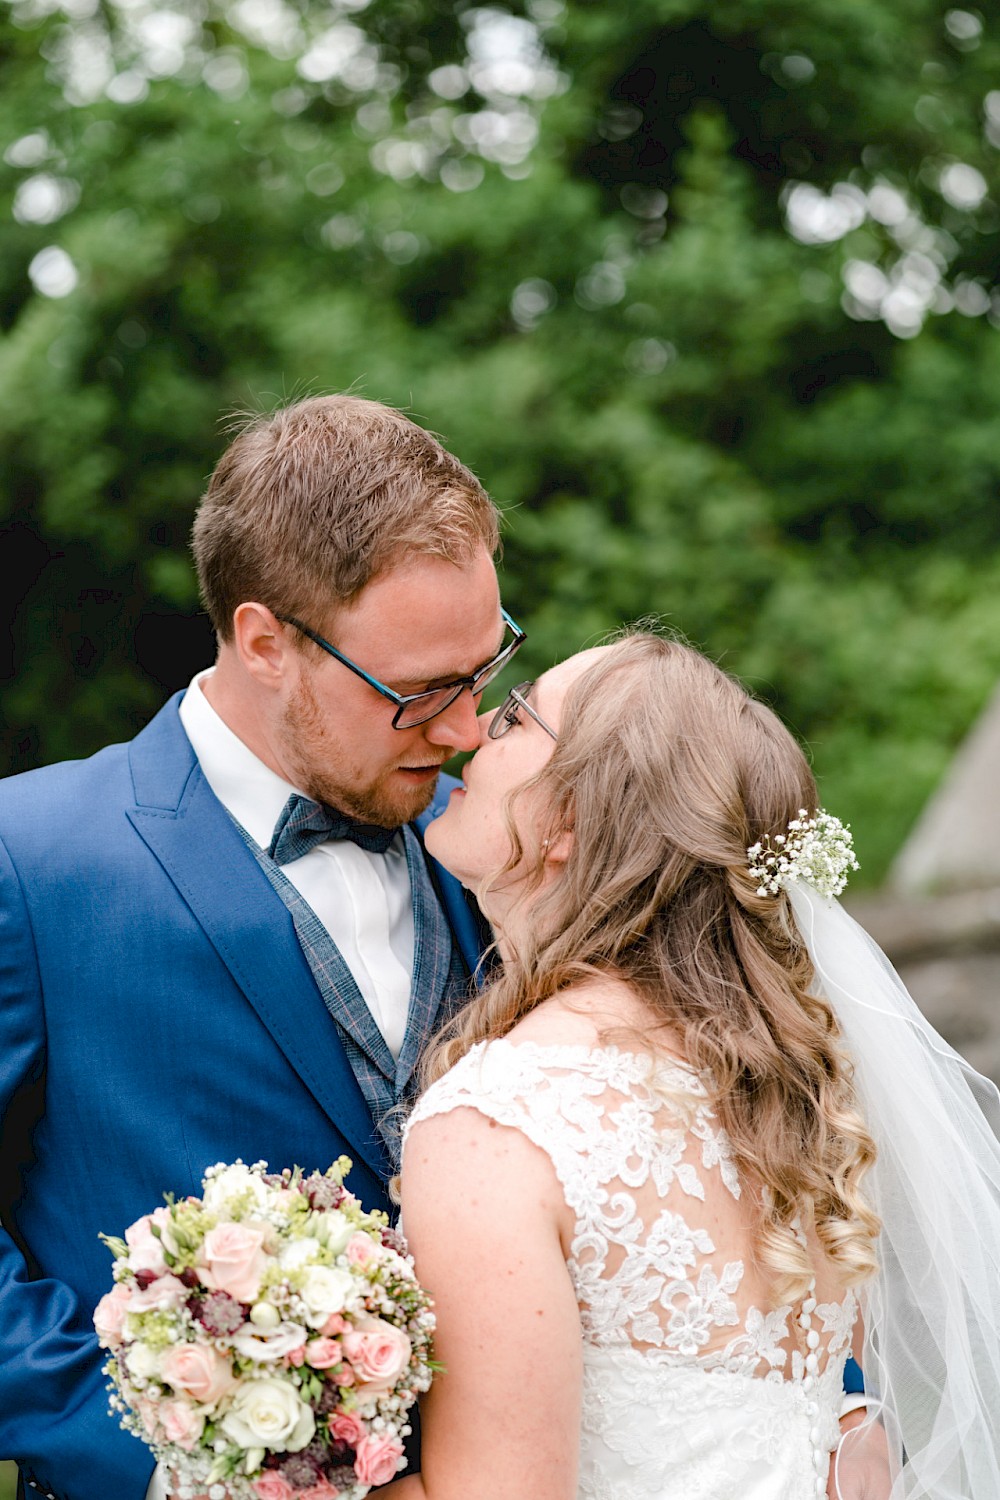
x,y
722,340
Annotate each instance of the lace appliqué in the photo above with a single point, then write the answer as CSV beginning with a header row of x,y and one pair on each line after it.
x,y
688,1392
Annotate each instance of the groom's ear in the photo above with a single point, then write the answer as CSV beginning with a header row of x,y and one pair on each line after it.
x,y
261,642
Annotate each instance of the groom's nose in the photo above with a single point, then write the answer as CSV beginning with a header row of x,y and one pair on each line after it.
x,y
457,725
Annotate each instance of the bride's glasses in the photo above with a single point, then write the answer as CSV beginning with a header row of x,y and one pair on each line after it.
x,y
506,715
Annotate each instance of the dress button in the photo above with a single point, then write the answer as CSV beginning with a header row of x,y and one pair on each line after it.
x,y
811,1409
809,1305
812,1339
812,1364
809,1383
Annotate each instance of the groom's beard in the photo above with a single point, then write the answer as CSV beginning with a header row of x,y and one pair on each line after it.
x,y
324,767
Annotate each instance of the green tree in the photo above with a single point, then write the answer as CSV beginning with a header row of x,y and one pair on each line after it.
x,y
705,293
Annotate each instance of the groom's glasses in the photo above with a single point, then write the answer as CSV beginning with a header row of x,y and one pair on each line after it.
x,y
416,708
514,704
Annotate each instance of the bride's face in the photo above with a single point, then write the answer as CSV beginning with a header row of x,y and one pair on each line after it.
x,y
471,838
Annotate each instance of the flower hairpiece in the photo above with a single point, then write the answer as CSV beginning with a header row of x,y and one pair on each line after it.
x,y
817,849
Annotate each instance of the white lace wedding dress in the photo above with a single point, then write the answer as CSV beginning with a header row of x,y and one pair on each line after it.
x,y
690,1390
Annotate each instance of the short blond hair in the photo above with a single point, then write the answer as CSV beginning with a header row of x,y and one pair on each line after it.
x,y
311,502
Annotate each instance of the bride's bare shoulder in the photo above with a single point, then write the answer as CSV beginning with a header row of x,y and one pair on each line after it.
x,y
596,1013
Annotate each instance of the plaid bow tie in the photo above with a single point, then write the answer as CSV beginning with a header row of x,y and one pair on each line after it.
x,y
303,824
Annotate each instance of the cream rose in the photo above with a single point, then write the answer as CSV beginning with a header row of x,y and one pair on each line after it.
x,y
234,1260
269,1414
198,1372
325,1290
378,1353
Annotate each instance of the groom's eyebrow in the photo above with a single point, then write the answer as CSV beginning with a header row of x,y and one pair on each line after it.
x,y
428,684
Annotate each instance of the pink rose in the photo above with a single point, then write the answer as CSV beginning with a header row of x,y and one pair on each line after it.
x,y
181,1423
378,1352
321,1490
165,1291
145,1250
109,1317
378,1458
233,1260
198,1372
272,1486
348,1428
322,1353
148,1414
361,1250
335,1323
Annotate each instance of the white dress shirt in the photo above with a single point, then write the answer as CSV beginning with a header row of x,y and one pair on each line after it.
x,y
363,900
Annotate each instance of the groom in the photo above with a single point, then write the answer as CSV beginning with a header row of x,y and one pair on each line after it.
x,y
224,939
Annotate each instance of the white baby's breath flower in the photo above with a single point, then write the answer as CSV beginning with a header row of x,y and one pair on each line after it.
x,y
818,850
234,1187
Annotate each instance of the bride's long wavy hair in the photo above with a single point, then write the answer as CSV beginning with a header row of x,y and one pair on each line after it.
x,y
666,770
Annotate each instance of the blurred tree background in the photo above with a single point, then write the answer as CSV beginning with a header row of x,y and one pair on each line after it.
x,y
706,291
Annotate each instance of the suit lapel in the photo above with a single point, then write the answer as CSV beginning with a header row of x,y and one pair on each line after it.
x,y
469,927
336,983
189,831
432,951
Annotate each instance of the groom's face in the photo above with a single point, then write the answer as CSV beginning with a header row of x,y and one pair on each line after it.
x,y
416,626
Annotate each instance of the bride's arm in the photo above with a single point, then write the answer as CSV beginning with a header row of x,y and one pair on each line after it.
x,y
483,1213
859,1466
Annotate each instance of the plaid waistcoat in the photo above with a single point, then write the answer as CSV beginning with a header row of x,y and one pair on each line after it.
x,y
440,985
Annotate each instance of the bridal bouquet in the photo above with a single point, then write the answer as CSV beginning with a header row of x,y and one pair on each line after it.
x,y
267,1339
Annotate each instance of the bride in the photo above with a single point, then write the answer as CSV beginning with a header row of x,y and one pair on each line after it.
x,y
690,1123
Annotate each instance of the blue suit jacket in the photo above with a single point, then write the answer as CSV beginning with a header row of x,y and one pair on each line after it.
x,y
156,1015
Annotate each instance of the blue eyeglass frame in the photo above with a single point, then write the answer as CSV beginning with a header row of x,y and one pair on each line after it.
x,y
476,683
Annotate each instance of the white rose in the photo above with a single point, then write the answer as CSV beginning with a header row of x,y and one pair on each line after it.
x,y
143,1363
298,1253
232,1183
269,1414
325,1290
264,1344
